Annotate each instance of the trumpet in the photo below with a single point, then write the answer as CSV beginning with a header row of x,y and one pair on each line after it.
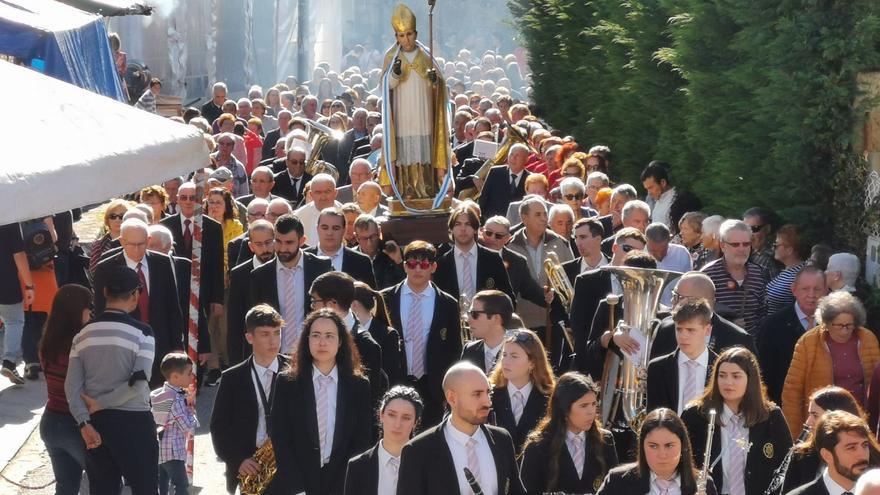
x,y
561,286
703,477
256,484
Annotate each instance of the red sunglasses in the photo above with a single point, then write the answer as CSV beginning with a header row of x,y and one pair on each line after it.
x,y
424,264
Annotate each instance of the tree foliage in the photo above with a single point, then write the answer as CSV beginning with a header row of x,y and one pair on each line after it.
x,y
752,101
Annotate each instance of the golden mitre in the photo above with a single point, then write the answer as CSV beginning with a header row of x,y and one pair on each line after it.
x,y
403,19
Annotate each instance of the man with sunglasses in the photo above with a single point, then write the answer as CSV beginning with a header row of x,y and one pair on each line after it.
x,y
488,318
494,235
289,183
429,325
468,268
760,220
158,305
740,284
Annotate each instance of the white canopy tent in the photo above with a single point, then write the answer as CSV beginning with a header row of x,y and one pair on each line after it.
x,y
67,147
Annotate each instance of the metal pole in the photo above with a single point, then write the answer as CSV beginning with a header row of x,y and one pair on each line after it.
x,y
431,4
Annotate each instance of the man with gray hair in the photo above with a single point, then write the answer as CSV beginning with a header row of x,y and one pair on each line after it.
x,y
560,219
158,304
323,191
214,108
739,284
505,183
272,137
595,182
843,271
869,483
359,172
620,196
289,184
672,257
634,213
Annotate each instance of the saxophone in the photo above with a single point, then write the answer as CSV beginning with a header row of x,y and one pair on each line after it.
x,y
703,477
256,484
779,475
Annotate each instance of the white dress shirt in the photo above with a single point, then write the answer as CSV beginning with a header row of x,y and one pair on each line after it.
x,y
726,447
427,300
525,391
192,224
459,266
585,267
831,485
683,369
144,268
265,383
387,474
660,207
331,408
290,330
335,259
674,489
491,355
457,442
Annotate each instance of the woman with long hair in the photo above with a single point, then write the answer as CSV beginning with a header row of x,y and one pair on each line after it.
x,y
568,451
369,309
321,409
71,310
665,461
375,471
806,465
221,207
522,382
751,437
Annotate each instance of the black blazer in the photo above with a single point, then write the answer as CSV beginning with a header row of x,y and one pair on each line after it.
x,y
590,288
354,263
362,475
284,188
269,143
725,334
770,441
427,468
573,267
521,281
626,480
815,487
442,349
234,418
607,222
389,340
464,151
804,468
371,360
663,389
211,288
776,339
238,251
496,194
491,273
294,433
165,318
237,307
533,412
538,457
465,172
264,282
475,352
387,272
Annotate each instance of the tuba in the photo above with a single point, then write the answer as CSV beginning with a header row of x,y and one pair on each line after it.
x,y
514,135
257,484
319,136
561,287
625,386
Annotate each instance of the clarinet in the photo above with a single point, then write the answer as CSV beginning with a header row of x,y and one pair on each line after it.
x,y
475,486
779,475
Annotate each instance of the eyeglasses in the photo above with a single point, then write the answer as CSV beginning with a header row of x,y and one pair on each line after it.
x,y
115,216
424,264
296,162
187,197
264,244
322,302
474,314
738,244
627,248
496,235
757,228
844,326
574,197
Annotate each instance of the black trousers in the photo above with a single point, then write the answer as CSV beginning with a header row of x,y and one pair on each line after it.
x,y
128,448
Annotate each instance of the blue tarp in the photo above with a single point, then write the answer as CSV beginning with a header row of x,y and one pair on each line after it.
x,y
62,42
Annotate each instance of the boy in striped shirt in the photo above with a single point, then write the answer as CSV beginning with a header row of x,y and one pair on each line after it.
x,y
176,420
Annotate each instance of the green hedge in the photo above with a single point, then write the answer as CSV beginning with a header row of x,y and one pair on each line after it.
x,y
750,100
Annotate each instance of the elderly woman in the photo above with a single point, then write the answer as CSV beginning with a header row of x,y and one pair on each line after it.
x,y
261,111
157,199
840,351
561,220
112,222
789,250
573,192
711,240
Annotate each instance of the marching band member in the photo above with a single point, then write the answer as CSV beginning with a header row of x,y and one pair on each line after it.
x,y
434,462
750,438
321,411
806,465
680,376
372,315
665,463
521,383
375,471
568,451
490,314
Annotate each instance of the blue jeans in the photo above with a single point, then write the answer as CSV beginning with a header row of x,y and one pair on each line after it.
x,y
174,472
13,320
66,450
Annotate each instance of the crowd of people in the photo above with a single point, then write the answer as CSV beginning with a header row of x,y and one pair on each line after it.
x,y
364,366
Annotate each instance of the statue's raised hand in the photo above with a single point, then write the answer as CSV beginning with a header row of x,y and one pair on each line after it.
x,y
432,76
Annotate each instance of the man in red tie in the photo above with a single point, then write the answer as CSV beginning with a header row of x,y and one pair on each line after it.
x,y
157,302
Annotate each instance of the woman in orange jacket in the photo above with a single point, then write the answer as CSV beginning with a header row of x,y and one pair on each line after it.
x,y
840,351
